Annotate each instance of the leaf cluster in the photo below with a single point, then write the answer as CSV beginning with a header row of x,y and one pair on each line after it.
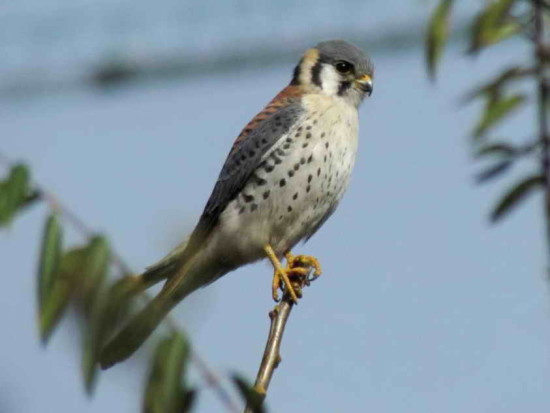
x,y
78,279
495,21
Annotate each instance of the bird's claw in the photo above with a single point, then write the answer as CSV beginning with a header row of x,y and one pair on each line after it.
x,y
300,270
295,277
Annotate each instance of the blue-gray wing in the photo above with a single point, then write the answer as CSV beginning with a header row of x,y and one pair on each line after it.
x,y
246,156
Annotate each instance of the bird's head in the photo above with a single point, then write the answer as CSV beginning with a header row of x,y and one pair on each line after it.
x,y
336,68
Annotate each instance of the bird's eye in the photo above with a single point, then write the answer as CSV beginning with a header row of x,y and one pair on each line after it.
x,y
344,67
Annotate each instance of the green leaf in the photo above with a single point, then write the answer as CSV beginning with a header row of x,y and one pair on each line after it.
x,y
437,35
252,398
49,258
92,343
62,290
14,192
110,306
495,111
498,149
95,270
493,171
165,391
493,24
514,196
494,88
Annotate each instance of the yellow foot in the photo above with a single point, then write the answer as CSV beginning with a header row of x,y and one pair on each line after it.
x,y
281,275
296,274
303,262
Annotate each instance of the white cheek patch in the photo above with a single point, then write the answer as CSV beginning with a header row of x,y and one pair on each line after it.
x,y
330,80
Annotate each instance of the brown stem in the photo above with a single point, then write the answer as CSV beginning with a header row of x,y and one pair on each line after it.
x,y
272,357
541,54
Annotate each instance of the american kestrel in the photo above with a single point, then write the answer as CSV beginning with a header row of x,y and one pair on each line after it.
x,y
282,179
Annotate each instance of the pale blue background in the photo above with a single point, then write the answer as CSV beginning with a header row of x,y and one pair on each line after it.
x,y
422,306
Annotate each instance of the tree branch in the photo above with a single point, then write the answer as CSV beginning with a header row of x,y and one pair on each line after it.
x,y
279,317
272,357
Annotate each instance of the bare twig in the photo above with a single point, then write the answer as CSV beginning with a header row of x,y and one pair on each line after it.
x,y
208,375
543,91
279,317
272,357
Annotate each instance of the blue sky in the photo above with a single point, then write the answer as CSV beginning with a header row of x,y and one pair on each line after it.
x,y
422,305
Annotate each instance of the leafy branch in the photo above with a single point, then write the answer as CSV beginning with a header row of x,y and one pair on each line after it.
x,y
495,22
77,279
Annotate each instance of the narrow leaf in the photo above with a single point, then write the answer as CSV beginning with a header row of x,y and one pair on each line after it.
x,y
95,271
514,196
109,307
93,339
437,34
494,88
163,393
252,398
498,149
13,193
495,111
62,290
493,171
492,25
5,210
49,258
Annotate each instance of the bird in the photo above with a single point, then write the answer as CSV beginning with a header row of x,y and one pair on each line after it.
x,y
283,178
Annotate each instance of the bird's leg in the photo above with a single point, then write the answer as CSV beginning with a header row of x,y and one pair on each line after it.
x,y
303,261
281,274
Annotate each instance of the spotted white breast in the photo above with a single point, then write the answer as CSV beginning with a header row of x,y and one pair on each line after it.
x,y
298,184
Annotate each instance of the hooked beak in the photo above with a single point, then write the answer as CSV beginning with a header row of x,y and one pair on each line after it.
x,y
364,82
